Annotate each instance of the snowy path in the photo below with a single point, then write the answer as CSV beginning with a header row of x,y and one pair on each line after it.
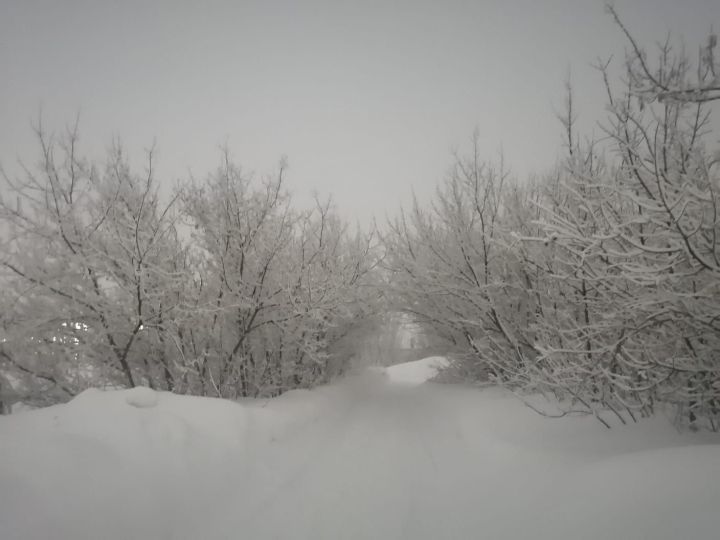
x,y
364,459
393,465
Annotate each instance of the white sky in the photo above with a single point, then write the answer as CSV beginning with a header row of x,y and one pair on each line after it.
x,y
367,99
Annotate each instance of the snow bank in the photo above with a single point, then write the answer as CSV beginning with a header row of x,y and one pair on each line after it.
x,y
132,463
416,372
366,458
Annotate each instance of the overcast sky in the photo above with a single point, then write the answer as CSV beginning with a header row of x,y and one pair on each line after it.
x,y
366,99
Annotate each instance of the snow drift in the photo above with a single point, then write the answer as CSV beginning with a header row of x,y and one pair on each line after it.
x,y
416,372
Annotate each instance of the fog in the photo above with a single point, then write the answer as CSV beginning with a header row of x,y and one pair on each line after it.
x,y
367,100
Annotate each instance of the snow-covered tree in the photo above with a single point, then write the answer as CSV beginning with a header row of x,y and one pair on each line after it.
x,y
636,249
599,281
454,272
90,252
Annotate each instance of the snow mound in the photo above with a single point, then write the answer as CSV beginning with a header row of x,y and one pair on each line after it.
x,y
141,397
416,372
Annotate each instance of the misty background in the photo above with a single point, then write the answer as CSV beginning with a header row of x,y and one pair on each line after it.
x,y
367,100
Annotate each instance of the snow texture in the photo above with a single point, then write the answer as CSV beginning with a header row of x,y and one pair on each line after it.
x,y
416,372
141,397
363,459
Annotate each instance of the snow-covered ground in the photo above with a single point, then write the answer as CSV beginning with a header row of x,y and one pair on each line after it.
x,y
416,372
377,456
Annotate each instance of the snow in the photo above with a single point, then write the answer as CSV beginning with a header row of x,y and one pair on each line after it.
x,y
416,372
375,456
141,397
